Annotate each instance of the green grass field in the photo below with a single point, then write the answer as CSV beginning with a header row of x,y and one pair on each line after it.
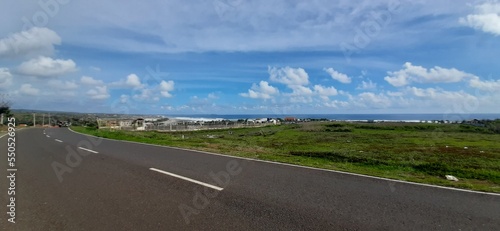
x,y
422,153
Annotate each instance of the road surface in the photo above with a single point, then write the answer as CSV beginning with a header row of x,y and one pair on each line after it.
x,y
68,181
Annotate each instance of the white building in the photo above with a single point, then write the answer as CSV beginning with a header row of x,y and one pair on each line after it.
x,y
139,124
126,123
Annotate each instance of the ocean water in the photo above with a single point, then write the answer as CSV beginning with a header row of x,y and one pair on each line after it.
x,y
391,117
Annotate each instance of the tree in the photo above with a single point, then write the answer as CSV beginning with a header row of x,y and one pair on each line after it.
x,y
4,107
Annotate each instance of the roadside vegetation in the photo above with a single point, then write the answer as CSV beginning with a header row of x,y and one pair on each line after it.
x,y
422,153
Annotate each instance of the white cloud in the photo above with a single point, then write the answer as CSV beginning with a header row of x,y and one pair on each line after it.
x,y
133,81
97,69
440,96
166,87
298,90
325,92
367,85
47,67
147,94
90,81
413,99
143,91
458,101
423,93
168,108
124,99
343,78
98,93
5,78
419,74
62,85
491,86
301,99
395,94
240,28
35,41
397,79
486,17
212,96
328,91
288,76
29,90
261,91
199,27
300,94
336,104
372,100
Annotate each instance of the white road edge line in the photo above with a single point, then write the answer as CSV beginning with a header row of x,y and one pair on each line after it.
x,y
4,135
187,179
299,166
88,150
60,141
48,136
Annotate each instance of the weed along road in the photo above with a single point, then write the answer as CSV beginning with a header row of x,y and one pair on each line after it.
x,y
69,181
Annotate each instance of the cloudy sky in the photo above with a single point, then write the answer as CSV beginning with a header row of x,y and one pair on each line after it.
x,y
251,57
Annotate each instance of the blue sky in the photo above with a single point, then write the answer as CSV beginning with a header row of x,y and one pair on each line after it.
x,y
251,57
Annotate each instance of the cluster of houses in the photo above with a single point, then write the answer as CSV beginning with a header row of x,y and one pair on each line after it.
x,y
141,124
438,121
263,121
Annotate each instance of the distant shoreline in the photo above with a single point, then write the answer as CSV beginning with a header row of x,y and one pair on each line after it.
x,y
347,117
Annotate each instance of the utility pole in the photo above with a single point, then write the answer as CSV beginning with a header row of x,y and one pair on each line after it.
x,y
50,124
43,120
34,120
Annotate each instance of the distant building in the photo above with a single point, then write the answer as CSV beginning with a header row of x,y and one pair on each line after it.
x,y
263,120
139,124
166,123
104,123
149,125
150,120
126,123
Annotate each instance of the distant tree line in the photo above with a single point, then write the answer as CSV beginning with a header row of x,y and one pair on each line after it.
x,y
488,126
53,118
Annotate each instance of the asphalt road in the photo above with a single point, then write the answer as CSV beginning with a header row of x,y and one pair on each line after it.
x,y
112,185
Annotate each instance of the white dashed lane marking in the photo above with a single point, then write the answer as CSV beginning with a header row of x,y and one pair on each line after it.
x,y
188,179
88,150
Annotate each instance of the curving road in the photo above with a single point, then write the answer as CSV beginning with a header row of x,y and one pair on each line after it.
x,y
69,181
